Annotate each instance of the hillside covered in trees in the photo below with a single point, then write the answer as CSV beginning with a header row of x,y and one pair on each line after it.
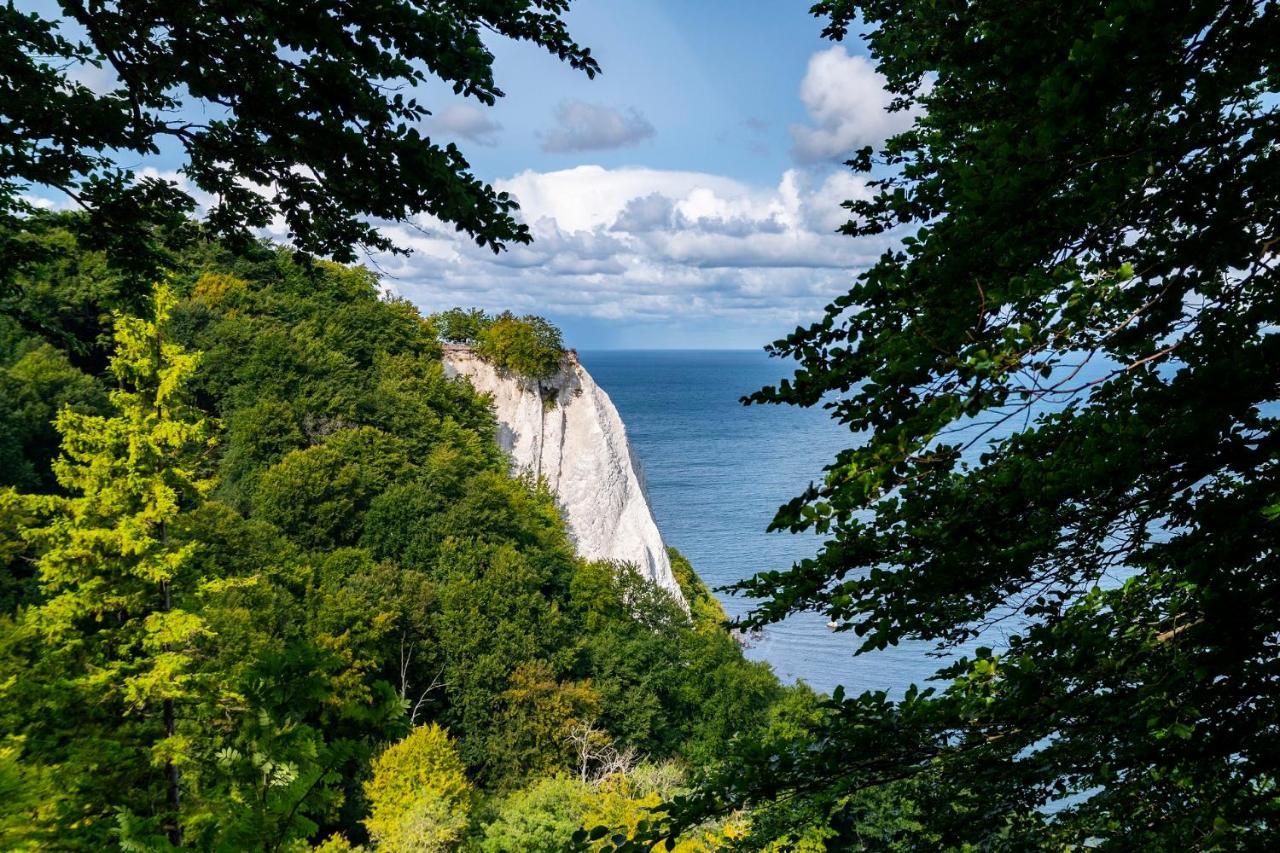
x,y
268,584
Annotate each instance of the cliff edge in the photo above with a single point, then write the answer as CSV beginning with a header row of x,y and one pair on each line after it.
x,y
565,430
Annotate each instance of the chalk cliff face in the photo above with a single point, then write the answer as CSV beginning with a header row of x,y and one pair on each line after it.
x,y
566,430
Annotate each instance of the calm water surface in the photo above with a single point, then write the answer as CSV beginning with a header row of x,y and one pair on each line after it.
x,y
717,471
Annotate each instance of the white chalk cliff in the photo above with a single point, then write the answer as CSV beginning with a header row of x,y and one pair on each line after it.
x,y
565,430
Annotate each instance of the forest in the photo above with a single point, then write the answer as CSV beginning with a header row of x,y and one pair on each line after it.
x,y
259,549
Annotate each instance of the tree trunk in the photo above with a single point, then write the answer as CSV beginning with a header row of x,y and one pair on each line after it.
x,y
172,773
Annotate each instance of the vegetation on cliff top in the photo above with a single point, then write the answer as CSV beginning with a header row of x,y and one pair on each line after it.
x,y
528,346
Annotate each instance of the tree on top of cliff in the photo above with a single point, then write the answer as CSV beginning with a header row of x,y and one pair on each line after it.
x,y
528,346
1063,388
460,325
306,112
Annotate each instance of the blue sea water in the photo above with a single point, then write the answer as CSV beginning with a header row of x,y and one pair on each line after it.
x,y
716,471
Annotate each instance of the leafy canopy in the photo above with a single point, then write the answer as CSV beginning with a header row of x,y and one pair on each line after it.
x,y
460,325
320,105
361,566
116,622
527,346
1063,382
419,795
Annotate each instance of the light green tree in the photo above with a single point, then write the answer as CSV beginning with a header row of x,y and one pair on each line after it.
x,y
419,796
113,580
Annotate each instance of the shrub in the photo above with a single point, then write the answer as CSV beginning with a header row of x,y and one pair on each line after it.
x,y
538,819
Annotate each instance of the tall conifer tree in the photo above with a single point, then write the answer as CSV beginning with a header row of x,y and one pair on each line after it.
x,y
115,627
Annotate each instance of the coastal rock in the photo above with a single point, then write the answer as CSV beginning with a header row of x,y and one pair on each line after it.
x,y
565,430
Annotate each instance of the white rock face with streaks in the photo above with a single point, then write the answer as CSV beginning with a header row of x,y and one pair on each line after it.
x,y
565,430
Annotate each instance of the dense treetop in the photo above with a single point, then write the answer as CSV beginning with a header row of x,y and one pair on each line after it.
x,y
529,347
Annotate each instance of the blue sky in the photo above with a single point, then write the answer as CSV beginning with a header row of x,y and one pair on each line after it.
x,y
685,198
718,81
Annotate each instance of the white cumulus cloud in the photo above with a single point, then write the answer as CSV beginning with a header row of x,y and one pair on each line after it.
x,y
636,245
581,126
642,244
848,106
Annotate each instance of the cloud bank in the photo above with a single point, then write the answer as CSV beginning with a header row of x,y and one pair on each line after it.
x,y
646,245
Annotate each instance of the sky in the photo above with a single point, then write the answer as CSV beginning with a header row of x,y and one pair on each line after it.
x,y
687,197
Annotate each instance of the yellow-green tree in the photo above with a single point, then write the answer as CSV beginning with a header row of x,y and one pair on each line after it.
x,y
419,796
112,623
539,716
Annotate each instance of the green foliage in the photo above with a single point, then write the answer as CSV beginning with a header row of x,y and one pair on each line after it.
x,y
540,819
623,805
460,325
668,686
321,493
554,813
18,582
337,843
704,609
312,105
527,346
1062,390
419,796
117,623
27,793
538,720
36,385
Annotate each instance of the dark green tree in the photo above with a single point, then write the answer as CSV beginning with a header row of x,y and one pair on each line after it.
x,y
320,104
1064,384
33,389
460,325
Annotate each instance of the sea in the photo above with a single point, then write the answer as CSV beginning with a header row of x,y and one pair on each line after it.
x,y
716,471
